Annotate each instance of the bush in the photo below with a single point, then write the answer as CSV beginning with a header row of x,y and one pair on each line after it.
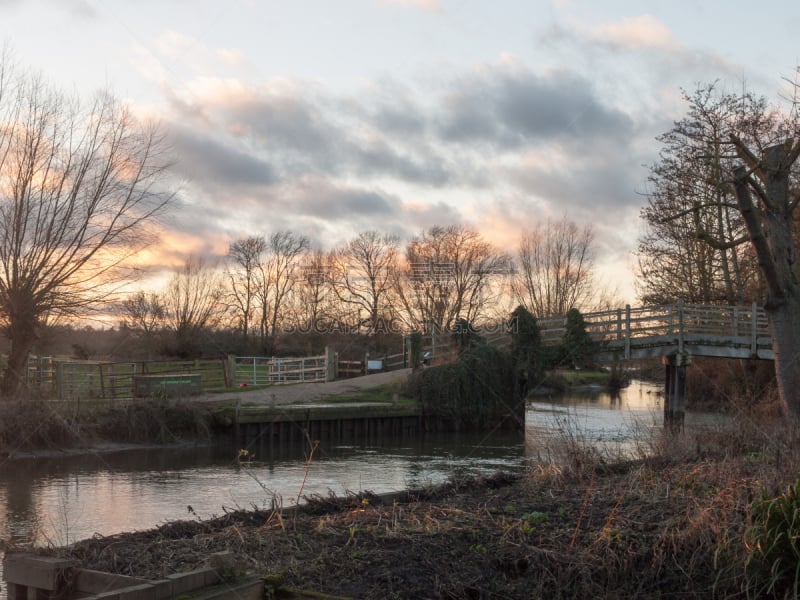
x,y
475,390
579,348
156,421
773,542
34,424
527,350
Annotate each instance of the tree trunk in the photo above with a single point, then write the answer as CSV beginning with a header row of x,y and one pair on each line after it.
x,y
784,324
769,225
22,335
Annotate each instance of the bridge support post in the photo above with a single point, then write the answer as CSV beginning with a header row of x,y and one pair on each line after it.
x,y
675,390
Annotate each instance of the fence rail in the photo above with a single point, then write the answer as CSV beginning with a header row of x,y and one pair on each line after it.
x,y
260,371
703,330
644,332
110,381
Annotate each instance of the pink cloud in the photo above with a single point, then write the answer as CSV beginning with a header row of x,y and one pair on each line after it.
x,y
434,6
643,31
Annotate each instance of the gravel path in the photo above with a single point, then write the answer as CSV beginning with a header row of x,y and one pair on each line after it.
x,y
301,393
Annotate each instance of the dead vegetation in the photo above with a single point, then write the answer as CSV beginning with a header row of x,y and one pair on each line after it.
x,y
674,523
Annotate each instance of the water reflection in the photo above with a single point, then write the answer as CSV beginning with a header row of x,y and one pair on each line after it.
x,y
56,501
61,500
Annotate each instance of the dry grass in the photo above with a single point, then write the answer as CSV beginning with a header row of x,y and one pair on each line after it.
x,y
669,522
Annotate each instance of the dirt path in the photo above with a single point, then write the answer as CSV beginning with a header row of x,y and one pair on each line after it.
x,y
301,393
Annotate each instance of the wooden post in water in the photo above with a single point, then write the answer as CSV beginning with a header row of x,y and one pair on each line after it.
x,y
675,390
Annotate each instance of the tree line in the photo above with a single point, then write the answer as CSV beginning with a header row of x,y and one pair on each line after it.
x,y
446,275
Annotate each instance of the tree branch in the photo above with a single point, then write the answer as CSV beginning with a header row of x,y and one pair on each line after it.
x,y
757,236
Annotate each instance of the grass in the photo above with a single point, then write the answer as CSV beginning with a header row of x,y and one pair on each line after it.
x,y
387,393
565,379
583,377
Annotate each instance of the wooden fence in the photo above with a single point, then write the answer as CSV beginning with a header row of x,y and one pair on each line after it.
x,y
644,332
370,364
110,381
261,371
89,380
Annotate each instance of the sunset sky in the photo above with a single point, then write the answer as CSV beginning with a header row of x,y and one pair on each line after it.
x,y
330,117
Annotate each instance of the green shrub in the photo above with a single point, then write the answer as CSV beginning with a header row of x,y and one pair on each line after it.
x,y
773,543
578,346
527,349
476,389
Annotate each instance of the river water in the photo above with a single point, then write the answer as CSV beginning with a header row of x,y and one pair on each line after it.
x,y
56,501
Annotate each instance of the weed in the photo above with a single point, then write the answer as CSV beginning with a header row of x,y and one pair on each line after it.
x,y
530,520
773,543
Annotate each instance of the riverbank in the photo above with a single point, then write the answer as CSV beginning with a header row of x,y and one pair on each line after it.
x,y
42,428
674,523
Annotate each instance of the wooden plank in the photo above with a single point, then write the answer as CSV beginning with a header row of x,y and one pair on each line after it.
x,y
39,572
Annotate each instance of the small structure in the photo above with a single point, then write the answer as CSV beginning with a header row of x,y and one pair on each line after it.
x,y
49,578
374,366
167,385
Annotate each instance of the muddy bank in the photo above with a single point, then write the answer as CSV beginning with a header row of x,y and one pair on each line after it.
x,y
647,528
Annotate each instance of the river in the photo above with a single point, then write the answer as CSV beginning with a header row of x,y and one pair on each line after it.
x,y
56,501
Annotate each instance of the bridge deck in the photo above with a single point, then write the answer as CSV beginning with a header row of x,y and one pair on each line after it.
x,y
700,330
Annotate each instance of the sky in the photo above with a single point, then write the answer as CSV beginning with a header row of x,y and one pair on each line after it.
x,y
332,117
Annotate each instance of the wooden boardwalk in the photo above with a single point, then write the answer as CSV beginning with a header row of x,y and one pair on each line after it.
x,y
653,331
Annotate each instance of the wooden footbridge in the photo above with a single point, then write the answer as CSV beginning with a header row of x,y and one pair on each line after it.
x,y
674,332
654,331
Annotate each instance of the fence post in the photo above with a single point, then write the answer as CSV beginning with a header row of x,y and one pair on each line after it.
x,y
754,330
59,380
627,331
102,381
330,364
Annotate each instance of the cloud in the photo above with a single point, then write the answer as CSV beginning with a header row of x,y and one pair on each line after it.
x,y
291,154
432,6
513,107
636,33
178,47
324,200
303,130
202,159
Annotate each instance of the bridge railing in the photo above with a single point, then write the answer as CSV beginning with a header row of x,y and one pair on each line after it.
x,y
673,324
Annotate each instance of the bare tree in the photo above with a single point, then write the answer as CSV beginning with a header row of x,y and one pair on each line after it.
x,y
765,186
143,314
694,246
278,276
555,268
449,277
193,302
363,275
78,185
314,297
244,278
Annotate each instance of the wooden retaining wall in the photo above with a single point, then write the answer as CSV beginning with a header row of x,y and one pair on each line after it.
x,y
34,577
368,423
